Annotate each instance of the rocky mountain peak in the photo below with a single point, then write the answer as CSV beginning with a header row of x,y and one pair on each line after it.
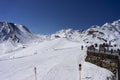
x,y
13,32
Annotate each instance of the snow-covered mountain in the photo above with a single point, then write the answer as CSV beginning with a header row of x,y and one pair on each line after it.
x,y
14,33
57,57
109,32
12,36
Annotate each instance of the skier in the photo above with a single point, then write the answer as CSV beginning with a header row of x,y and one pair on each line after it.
x,y
82,47
80,67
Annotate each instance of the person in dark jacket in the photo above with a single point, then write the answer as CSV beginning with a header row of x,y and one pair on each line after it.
x,y
82,47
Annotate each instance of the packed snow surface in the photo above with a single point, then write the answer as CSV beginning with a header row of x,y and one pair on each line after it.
x,y
57,59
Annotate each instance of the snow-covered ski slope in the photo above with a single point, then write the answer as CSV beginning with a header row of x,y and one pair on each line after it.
x,y
54,60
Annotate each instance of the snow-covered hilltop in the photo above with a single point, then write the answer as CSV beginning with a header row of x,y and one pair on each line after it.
x,y
56,56
14,33
12,36
109,32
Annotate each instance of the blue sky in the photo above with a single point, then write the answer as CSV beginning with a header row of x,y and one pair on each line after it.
x,y
49,16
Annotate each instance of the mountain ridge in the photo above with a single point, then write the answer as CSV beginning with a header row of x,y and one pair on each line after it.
x,y
15,35
11,30
109,32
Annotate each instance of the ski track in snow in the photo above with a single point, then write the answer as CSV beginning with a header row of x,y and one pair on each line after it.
x,y
55,60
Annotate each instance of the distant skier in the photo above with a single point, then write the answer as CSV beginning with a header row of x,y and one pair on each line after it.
x,y
80,72
82,47
80,67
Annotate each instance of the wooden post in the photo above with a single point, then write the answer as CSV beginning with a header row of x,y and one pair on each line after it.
x,y
35,73
80,68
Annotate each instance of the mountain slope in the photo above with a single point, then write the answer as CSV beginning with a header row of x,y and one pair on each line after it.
x,y
14,33
57,57
109,32
54,60
13,36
